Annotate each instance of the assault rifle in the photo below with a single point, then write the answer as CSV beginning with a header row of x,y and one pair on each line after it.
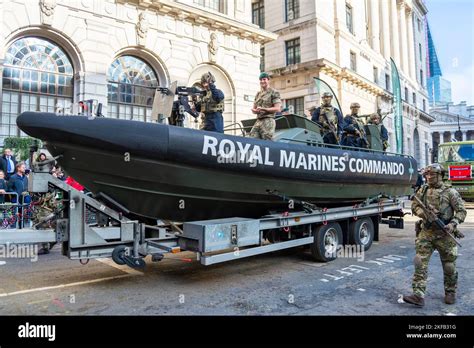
x,y
434,219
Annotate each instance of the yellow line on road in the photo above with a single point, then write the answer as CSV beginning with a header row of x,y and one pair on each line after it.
x,y
21,292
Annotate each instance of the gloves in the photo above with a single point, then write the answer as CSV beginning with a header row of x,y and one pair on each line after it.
x,y
420,213
458,234
449,228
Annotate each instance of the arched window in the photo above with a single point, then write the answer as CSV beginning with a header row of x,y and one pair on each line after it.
x,y
37,76
131,88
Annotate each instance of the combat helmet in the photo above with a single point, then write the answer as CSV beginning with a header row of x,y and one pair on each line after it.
x,y
434,168
327,94
355,105
208,77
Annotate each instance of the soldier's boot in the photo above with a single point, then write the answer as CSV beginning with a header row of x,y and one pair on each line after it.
x,y
414,300
450,298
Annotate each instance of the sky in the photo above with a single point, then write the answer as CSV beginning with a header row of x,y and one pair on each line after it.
x,y
452,27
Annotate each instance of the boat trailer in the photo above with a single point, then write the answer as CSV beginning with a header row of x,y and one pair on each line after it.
x,y
111,234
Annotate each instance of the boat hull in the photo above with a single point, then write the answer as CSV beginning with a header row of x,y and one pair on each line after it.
x,y
166,172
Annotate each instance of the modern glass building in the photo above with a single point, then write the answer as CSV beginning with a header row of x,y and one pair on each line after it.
x,y
439,89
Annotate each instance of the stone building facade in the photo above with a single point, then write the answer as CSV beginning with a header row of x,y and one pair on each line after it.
x,y
348,44
54,52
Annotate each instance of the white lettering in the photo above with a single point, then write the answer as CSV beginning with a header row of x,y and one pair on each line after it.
x,y
210,143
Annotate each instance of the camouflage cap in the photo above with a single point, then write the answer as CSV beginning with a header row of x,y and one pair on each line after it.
x,y
355,105
264,75
327,94
434,168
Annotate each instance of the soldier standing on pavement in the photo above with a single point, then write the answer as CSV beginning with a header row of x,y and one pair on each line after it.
x,y
329,119
353,129
449,207
267,103
211,105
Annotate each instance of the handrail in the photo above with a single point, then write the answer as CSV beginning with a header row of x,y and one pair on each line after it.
x,y
306,142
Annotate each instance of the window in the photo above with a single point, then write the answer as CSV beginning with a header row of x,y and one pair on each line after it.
x,y
131,88
258,13
421,77
349,22
37,76
292,8
419,24
406,94
297,104
353,61
376,75
414,98
293,52
262,58
387,82
216,5
420,52
424,104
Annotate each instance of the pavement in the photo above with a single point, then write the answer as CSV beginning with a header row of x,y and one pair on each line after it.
x,y
280,283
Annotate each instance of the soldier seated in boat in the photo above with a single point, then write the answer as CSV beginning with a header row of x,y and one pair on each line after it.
x,y
329,119
375,119
353,129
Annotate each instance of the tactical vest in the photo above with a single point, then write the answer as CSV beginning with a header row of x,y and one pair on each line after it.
x,y
330,113
439,199
209,105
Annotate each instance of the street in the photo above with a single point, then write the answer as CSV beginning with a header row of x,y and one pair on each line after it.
x,y
283,283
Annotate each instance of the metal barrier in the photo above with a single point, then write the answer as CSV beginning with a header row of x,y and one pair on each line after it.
x,y
15,214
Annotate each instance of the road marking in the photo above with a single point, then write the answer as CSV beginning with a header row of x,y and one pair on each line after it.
x,y
312,264
122,268
360,289
21,292
451,314
2,263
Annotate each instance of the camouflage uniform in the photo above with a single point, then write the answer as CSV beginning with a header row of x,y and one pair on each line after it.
x,y
451,209
264,127
329,120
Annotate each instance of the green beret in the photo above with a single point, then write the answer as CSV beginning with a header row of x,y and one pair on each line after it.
x,y
263,76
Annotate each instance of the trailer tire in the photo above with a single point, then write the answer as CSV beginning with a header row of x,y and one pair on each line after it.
x,y
361,232
327,238
118,254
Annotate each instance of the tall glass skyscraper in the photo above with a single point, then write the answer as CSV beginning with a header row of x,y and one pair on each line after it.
x,y
439,89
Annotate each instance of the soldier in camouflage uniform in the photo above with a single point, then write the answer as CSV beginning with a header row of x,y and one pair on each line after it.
x,y
329,119
267,103
449,207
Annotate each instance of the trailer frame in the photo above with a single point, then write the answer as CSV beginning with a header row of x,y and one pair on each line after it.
x,y
214,241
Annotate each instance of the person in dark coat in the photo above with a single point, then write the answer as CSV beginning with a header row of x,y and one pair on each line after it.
x,y
3,187
18,183
8,163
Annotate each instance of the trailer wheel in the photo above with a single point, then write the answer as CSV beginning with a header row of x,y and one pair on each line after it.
x,y
327,238
361,232
118,254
